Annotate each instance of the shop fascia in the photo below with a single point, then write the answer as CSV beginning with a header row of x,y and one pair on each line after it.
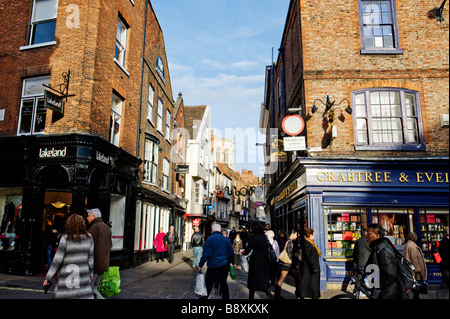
x,y
62,152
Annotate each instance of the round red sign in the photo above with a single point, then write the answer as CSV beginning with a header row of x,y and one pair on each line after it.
x,y
293,125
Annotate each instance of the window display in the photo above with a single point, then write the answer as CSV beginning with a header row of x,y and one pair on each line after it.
x,y
397,222
432,222
344,228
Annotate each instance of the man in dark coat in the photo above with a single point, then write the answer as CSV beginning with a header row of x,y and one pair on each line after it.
x,y
101,233
384,257
310,284
258,270
171,239
444,251
362,251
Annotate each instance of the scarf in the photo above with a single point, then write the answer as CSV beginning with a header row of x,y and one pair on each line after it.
x,y
315,246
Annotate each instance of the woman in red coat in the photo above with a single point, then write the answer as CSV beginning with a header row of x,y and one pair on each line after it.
x,y
161,247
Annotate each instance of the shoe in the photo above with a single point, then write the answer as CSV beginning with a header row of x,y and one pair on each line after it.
x,y
277,293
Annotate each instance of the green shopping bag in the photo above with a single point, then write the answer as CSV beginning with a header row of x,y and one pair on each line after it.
x,y
110,282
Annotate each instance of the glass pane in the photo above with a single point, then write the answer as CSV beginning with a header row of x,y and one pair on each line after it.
x,y
367,18
41,112
410,105
397,137
360,110
362,137
368,42
359,98
385,6
26,115
386,17
396,124
378,42
34,86
388,41
395,110
43,32
361,125
384,97
374,98
45,10
377,31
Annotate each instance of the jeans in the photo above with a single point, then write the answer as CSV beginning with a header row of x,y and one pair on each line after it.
x,y
198,251
49,255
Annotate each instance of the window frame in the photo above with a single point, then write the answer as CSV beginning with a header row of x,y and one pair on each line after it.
x,y
168,124
32,27
116,117
121,59
35,98
150,168
395,32
159,116
166,174
151,104
405,145
160,68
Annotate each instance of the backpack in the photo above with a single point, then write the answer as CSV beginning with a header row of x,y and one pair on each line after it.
x,y
271,256
407,271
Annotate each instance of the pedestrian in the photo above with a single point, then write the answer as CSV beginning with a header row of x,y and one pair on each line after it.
x,y
258,270
414,254
160,245
244,237
73,263
361,251
50,241
285,265
274,269
101,234
384,257
310,285
171,239
218,253
444,251
281,238
232,234
197,241
237,247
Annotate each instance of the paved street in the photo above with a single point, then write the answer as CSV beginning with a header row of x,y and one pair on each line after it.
x,y
153,281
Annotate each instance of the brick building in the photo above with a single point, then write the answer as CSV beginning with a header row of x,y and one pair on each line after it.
x,y
107,146
370,81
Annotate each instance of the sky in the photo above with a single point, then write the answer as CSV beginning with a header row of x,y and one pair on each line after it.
x,y
217,51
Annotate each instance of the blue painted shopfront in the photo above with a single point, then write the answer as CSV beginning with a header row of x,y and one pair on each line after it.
x,y
340,196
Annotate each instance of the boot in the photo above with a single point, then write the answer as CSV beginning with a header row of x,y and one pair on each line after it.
x,y
277,293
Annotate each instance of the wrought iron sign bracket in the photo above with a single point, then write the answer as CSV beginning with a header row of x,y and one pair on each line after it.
x,y
63,88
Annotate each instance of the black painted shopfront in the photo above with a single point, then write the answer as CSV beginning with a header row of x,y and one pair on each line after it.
x,y
337,198
51,177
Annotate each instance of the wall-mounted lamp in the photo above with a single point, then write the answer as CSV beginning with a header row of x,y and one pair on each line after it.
x,y
328,105
437,13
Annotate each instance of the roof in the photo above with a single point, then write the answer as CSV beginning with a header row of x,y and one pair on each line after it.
x,y
193,113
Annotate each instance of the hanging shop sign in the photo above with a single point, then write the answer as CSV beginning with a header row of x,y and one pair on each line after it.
x,y
182,169
293,125
54,102
296,143
196,221
276,151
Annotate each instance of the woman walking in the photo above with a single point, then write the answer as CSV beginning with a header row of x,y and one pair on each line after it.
x,y
161,247
310,285
285,260
258,273
414,254
73,262
274,268
237,247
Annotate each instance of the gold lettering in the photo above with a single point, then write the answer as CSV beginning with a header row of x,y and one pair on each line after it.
x,y
439,178
446,177
359,175
331,177
321,180
350,177
419,177
341,177
429,178
369,177
378,177
387,177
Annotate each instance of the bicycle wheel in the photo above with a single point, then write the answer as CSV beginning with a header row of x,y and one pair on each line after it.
x,y
343,296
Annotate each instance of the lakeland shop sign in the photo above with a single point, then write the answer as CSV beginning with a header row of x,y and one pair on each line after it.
x,y
383,178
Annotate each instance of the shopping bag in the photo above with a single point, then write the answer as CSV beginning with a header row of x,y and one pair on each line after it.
x,y
232,272
200,286
244,263
110,282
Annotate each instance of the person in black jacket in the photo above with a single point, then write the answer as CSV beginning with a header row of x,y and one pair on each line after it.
x,y
171,239
383,256
197,241
310,284
444,251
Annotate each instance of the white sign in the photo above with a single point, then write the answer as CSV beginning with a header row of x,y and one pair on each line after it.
x,y
46,153
2,114
293,125
296,143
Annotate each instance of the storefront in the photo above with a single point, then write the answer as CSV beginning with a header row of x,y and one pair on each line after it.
x,y
47,178
338,198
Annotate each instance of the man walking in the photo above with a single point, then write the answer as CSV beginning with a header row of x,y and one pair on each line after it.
x,y
171,239
219,253
384,256
101,233
197,242
444,251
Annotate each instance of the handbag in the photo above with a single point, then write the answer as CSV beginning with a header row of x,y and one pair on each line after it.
x,y
110,282
271,256
284,257
421,286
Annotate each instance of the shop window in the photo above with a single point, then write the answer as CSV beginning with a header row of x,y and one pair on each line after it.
x,y
387,119
117,219
43,21
344,225
32,111
397,222
433,222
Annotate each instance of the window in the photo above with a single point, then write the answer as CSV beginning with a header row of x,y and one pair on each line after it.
x,y
151,101
166,173
378,27
32,110
168,120
121,42
387,119
344,228
198,194
279,100
159,120
433,222
116,116
160,67
151,160
43,21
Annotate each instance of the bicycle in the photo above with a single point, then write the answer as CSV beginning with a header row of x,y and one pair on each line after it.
x,y
357,278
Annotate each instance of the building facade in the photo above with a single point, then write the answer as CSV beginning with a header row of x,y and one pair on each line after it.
x,y
370,81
